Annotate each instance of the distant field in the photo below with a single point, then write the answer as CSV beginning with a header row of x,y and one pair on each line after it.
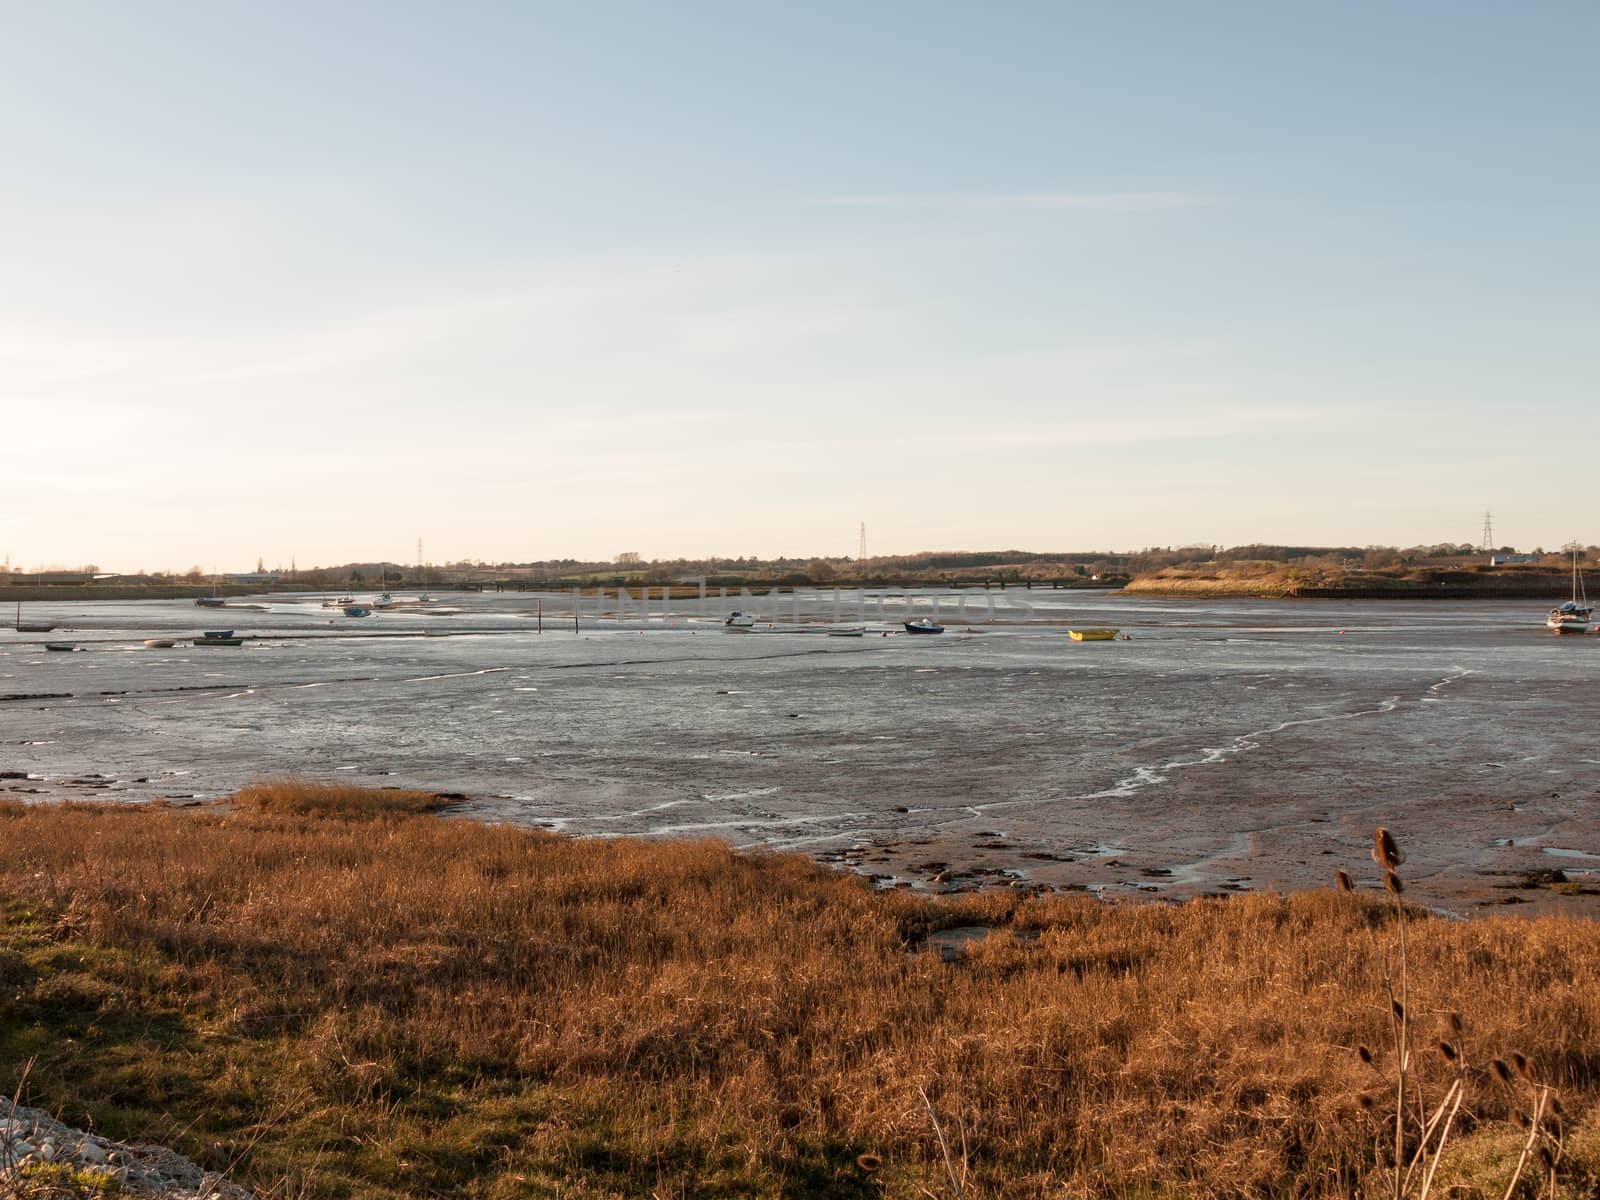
x,y
342,995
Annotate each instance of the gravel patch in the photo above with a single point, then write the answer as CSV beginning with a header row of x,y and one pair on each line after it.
x,y
34,1147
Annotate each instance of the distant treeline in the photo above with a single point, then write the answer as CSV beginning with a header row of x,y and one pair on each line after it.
x,y
1306,564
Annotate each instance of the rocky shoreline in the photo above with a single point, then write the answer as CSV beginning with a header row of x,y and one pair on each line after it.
x,y
36,1147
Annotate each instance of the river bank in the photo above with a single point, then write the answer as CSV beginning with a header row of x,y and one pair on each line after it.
x,y
1276,581
339,994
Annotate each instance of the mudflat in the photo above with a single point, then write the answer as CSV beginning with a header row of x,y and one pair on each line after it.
x,y
1230,745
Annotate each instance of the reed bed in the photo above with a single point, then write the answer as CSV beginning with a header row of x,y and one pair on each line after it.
x,y
359,999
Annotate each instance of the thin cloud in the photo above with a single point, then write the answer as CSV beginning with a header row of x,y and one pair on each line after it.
x,y
1066,201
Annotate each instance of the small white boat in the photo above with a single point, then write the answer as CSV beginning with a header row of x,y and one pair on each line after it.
x,y
159,643
847,633
1572,616
739,620
63,647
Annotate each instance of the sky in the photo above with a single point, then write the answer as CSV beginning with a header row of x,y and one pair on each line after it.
x,y
310,282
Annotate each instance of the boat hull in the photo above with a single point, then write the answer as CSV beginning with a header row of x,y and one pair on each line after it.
x,y
1092,635
211,641
920,627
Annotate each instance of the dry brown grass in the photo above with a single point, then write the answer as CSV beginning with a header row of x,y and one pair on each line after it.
x,y
410,1006
294,797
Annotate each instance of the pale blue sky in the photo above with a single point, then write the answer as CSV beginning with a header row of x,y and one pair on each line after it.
x,y
528,280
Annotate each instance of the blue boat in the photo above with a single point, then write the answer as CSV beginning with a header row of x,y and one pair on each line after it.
x,y
923,625
355,610
218,633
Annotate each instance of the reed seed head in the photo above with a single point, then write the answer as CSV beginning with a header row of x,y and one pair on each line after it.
x,y
1449,1051
1392,883
1385,851
1501,1071
1364,1055
1365,1101
1521,1118
1546,1158
1554,1106
1399,1012
1524,1068
1342,878
868,1162
1454,1021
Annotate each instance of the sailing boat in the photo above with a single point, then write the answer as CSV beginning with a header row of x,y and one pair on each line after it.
x,y
31,626
1573,615
214,600
345,601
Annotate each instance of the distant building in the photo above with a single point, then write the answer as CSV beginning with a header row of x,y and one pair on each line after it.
x,y
1503,560
254,577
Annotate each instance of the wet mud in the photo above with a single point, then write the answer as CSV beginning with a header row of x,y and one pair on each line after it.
x,y
1229,746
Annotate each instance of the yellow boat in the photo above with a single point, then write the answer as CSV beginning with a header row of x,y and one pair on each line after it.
x,y
1093,635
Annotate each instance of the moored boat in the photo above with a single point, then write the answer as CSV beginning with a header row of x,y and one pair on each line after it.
x,y
210,602
1572,616
739,620
64,647
32,626
208,640
218,633
355,610
1562,621
159,643
1092,635
924,625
